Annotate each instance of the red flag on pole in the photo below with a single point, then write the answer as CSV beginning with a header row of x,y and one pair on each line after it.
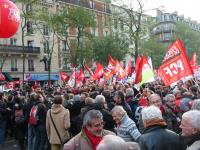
x,y
193,61
80,77
88,70
128,68
176,64
63,76
98,71
138,69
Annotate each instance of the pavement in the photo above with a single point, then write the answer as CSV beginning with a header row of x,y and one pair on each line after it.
x,y
11,144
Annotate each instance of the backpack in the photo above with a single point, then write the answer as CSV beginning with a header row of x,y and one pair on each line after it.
x,y
19,116
33,120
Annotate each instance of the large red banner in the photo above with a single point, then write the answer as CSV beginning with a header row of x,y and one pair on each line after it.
x,y
175,65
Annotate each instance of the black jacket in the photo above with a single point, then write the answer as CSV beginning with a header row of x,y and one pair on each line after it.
x,y
159,138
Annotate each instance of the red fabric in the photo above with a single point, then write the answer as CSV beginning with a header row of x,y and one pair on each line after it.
x,y
143,101
95,140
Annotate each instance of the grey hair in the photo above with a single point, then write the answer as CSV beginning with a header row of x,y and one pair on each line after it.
x,y
90,115
196,104
194,118
113,142
151,112
153,96
100,99
168,97
129,92
119,110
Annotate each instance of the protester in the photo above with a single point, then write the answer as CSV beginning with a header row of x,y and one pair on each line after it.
x,y
57,120
172,114
119,99
91,134
190,126
196,104
39,129
112,142
126,128
156,136
3,111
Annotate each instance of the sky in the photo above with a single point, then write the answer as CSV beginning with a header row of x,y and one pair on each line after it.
x,y
188,8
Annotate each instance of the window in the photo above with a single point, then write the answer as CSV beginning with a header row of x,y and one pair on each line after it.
x,y
13,41
122,25
91,4
65,63
29,27
14,64
29,8
30,65
30,43
46,46
45,30
115,24
64,46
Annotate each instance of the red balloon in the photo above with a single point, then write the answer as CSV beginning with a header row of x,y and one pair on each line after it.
x,y
9,18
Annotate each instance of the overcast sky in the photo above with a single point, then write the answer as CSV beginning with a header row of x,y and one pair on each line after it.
x,y
188,8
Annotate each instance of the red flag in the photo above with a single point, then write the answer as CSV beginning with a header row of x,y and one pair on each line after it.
x,y
98,71
128,68
193,61
110,69
80,77
138,69
88,70
72,79
175,65
120,70
63,76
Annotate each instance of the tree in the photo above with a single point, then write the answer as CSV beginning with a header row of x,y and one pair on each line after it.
x,y
156,50
79,45
131,16
114,46
27,8
190,38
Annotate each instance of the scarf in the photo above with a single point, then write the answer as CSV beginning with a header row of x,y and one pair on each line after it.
x,y
95,140
153,122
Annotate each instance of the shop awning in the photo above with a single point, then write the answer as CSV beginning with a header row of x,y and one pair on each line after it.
x,y
43,77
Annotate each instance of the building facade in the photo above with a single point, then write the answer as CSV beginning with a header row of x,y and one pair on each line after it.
x,y
166,22
37,43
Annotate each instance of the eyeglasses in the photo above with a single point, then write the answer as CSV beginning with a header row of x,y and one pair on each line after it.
x,y
99,124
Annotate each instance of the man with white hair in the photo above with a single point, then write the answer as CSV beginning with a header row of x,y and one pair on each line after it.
x,y
113,142
156,136
190,126
126,128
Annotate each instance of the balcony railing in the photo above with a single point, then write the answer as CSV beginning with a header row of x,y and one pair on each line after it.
x,y
19,49
87,5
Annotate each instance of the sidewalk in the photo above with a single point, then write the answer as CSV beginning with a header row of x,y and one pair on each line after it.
x,y
11,144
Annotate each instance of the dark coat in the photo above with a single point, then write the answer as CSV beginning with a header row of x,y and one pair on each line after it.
x,y
159,138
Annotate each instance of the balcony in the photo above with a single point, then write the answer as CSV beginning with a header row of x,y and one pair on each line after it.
x,y
19,49
87,5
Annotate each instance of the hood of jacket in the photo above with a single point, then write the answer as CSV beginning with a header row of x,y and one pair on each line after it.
x,y
56,108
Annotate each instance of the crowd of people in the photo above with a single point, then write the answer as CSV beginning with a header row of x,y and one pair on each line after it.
x,y
103,117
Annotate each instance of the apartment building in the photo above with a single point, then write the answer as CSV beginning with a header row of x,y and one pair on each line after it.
x,y
38,43
166,22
